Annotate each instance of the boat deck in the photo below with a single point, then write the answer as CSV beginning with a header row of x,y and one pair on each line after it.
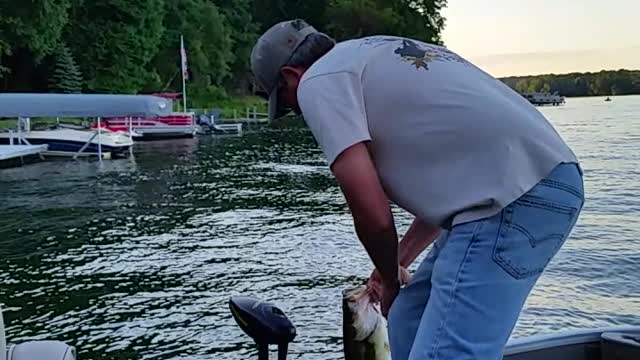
x,y
615,343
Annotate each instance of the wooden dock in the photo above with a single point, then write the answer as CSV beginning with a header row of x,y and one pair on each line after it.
x,y
251,116
15,155
15,151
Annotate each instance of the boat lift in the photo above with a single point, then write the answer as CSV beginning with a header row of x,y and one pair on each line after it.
x,y
25,106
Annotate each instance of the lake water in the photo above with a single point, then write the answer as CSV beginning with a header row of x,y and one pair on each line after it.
x,y
137,258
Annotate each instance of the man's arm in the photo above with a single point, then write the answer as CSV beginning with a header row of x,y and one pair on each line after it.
x,y
369,205
415,240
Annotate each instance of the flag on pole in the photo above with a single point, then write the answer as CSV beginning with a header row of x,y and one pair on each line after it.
x,y
183,58
185,73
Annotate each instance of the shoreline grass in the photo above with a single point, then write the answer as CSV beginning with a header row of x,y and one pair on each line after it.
x,y
40,122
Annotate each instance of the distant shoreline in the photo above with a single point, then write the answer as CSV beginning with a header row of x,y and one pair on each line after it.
x,y
588,84
567,73
602,96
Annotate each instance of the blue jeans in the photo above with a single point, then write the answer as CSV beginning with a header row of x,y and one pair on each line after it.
x,y
467,294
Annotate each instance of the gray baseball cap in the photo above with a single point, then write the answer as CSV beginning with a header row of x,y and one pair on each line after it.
x,y
271,52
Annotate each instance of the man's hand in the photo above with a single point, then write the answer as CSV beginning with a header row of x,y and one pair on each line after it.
x,y
376,288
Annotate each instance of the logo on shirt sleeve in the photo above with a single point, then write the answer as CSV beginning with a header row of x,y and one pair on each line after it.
x,y
420,56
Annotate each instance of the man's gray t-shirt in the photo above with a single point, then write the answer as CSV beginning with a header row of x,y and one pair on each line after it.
x,y
451,143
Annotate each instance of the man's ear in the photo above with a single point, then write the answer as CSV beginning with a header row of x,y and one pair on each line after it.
x,y
291,74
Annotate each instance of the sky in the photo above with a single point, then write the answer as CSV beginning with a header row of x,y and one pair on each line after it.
x,y
529,37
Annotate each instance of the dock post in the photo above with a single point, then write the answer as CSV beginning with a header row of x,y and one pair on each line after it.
x,y
131,134
20,125
99,140
75,156
130,118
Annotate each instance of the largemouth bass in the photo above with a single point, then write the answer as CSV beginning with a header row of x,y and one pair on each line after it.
x,y
364,328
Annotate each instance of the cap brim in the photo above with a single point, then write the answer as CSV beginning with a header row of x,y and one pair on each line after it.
x,y
275,111
273,105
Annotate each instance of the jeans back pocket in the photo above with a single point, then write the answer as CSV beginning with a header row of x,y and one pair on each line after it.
x,y
532,230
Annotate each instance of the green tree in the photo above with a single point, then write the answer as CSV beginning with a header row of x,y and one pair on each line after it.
x,y
345,19
601,85
581,87
115,40
420,19
29,31
32,25
635,85
622,83
357,18
131,46
66,77
269,12
535,85
416,19
238,18
208,44
5,50
522,86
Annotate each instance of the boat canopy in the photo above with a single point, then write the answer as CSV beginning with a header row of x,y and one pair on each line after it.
x,y
82,105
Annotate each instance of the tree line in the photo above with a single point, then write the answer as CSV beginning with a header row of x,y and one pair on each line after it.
x,y
603,83
132,46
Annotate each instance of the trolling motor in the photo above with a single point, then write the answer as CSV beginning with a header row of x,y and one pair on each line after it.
x,y
31,350
264,323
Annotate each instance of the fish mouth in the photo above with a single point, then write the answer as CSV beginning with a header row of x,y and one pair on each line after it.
x,y
356,293
365,314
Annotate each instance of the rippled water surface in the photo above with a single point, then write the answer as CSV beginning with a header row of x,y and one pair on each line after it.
x,y
137,258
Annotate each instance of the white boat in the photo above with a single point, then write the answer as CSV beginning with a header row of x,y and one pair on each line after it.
x,y
540,99
69,142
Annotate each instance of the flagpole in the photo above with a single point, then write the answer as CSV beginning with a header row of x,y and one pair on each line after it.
x,y
184,94
184,83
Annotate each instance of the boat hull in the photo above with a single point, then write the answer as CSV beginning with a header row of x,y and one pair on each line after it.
x,y
164,133
67,142
542,99
602,344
